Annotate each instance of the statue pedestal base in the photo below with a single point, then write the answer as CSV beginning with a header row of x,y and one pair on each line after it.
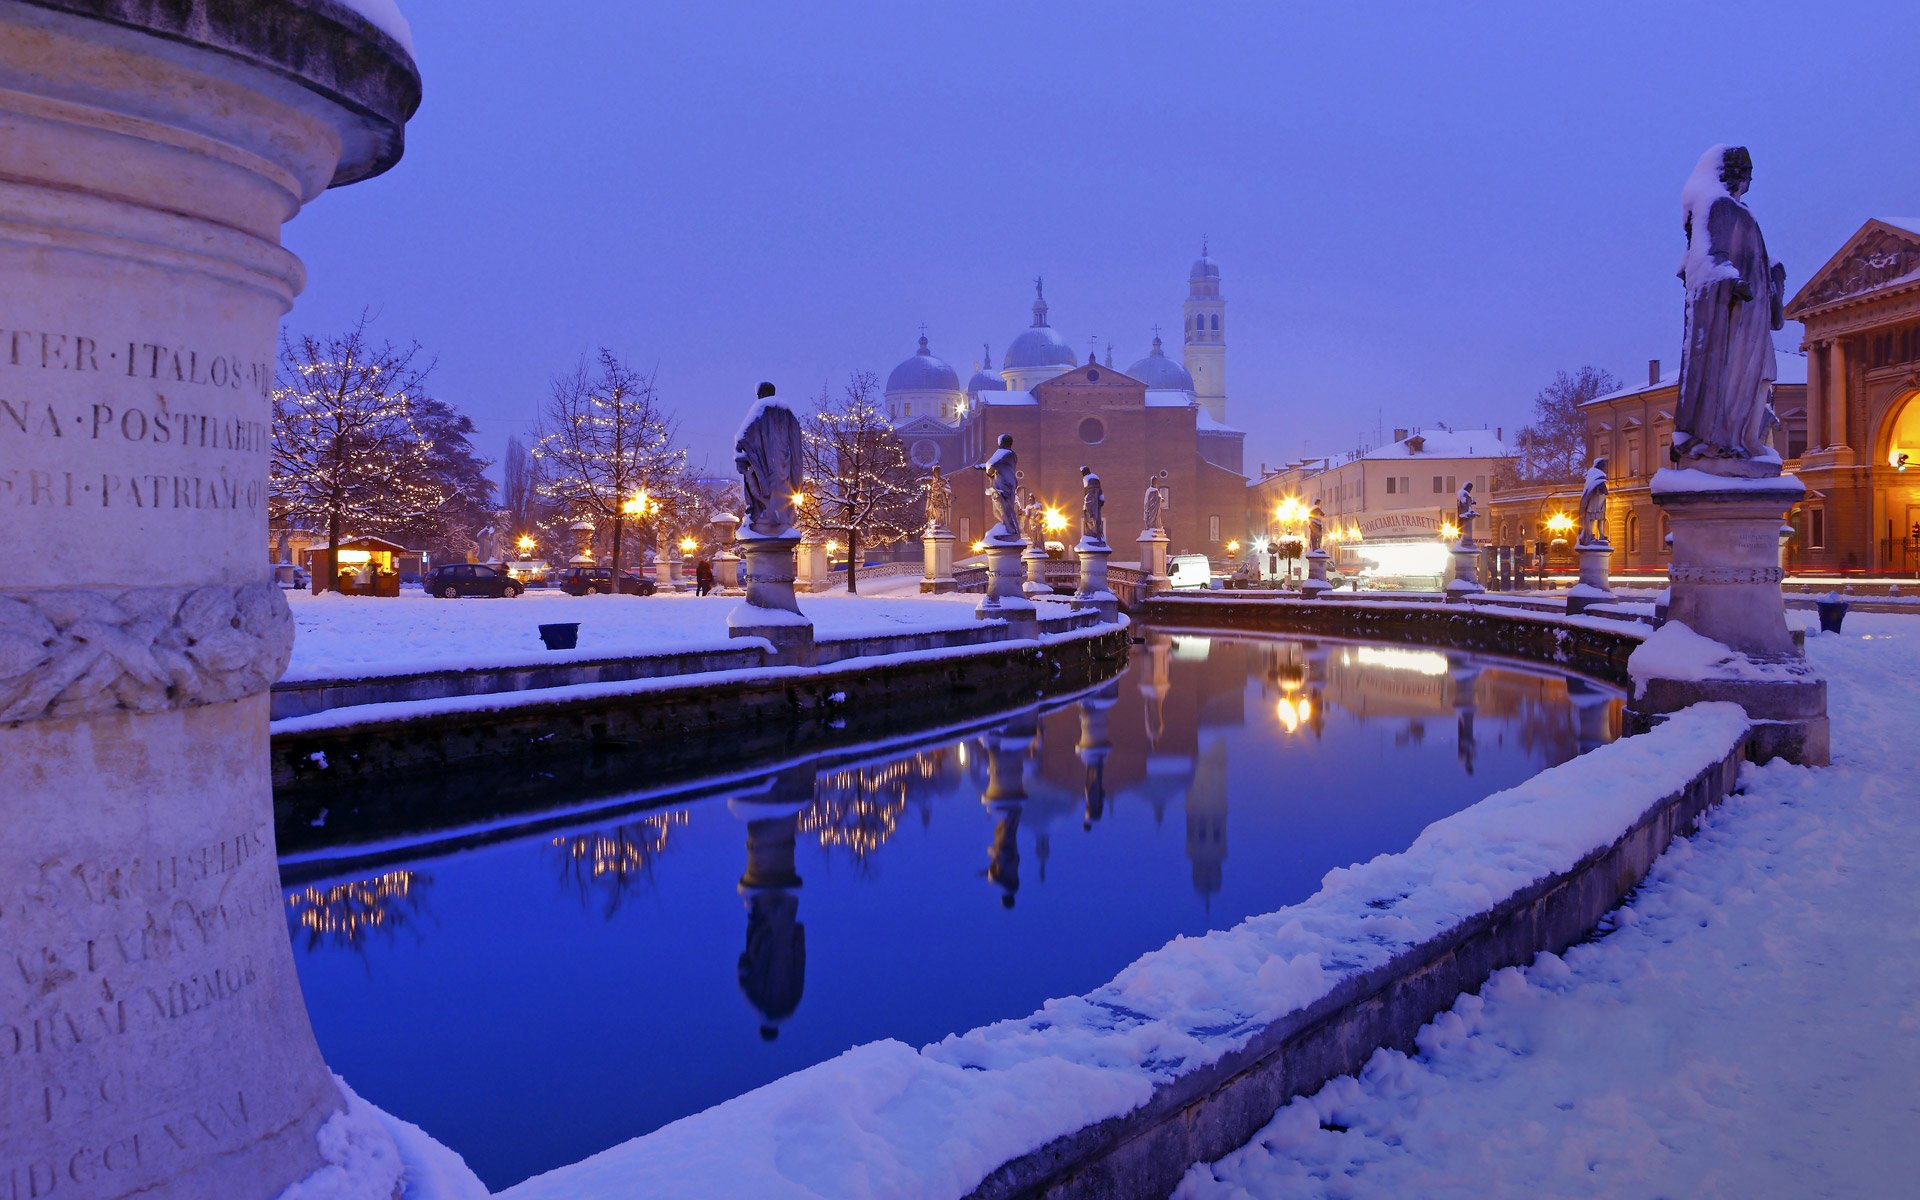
x,y
1592,588
770,609
1035,561
1466,571
938,545
726,571
1153,559
1093,591
1006,600
812,573
1316,580
1725,585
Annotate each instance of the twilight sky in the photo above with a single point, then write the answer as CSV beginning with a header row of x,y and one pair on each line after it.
x,y
1421,211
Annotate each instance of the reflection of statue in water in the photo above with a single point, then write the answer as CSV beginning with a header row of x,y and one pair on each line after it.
x,y
1593,506
1151,504
1464,745
772,469
1003,856
939,500
1734,296
1316,525
1093,503
1464,512
1003,476
772,970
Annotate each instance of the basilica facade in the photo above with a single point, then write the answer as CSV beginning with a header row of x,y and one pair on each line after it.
x,y
1161,421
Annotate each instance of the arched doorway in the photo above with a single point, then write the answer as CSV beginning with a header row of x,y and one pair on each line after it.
x,y
1896,476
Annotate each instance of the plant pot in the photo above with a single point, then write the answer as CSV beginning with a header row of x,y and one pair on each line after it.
x,y
1832,612
561,635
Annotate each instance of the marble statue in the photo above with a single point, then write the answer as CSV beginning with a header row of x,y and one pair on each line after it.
x,y
939,500
1593,506
483,545
1033,521
286,547
1464,512
770,458
1734,297
1093,503
1316,525
1150,506
1002,468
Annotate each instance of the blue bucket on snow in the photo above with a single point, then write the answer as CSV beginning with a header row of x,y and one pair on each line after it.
x,y
561,635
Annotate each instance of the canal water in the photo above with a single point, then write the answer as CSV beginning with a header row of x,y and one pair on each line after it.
x,y
536,998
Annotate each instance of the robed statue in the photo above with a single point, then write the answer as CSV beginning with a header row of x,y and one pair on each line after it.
x,y
1316,525
1593,506
770,456
1735,293
1093,503
939,500
1003,477
486,545
1464,512
1033,520
1150,506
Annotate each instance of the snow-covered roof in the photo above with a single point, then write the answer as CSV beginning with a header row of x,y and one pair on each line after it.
x,y
1444,443
1205,423
1006,397
1165,398
1910,224
1789,367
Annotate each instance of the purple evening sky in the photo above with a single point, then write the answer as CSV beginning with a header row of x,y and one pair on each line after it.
x,y
1421,211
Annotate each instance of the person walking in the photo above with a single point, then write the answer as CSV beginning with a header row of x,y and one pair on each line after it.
x,y
702,578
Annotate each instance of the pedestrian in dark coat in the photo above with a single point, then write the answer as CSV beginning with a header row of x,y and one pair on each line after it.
x,y
702,578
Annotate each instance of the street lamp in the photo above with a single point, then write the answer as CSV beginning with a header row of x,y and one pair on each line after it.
x,y
688,545
1449,531
526,545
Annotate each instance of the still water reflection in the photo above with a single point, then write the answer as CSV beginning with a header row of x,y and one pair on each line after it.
x,y
532,1001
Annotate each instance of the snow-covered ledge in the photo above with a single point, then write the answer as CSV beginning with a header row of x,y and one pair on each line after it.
x,y
1187,1052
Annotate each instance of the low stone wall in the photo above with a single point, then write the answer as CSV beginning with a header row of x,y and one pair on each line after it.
x,y
386,770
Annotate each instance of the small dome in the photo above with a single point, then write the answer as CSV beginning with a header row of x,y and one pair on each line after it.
x,y
986,379
1204,268
1161,373
1039,346
923,373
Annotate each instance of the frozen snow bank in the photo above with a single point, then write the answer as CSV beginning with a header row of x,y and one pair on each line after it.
x,y
369,1153
1747,1027
885,1121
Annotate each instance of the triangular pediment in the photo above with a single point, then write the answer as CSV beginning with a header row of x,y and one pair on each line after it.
x,y
1092,381
1880,257
921,425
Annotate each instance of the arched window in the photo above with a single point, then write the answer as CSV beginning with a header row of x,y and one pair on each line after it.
x,y
1633,533
1200,321
1216,320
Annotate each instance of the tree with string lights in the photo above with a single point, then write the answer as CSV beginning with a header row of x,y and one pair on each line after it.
x,y
859,482
607,452
353,440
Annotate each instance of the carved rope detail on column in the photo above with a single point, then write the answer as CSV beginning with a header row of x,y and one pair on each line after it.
x,y
1726,575
77,653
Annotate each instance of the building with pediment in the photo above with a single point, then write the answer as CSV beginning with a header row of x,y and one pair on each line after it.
x,y
1161,419
1861,314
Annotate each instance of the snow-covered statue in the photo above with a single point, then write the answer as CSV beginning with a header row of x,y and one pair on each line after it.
x,y
1464,512
1316,525
1734,296
1033,520
487,545
286,547
939,500
1003,477
769,455
1151,505
1593,506
1093,503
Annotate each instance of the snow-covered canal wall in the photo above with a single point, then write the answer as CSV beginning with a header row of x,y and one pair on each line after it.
x,y
1189,1051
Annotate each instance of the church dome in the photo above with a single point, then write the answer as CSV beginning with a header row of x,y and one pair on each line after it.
x,y
1161,373
986,379
923,373
1039,346
1204,268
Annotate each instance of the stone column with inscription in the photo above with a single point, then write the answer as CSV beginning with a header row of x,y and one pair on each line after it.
x,y
153,1041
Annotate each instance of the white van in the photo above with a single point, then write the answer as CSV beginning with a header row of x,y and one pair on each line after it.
x,y
1189,572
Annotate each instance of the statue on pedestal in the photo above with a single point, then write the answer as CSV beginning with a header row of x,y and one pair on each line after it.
x,y
939,500
1093,502
770,456
486,545
1002,468
1151,505
1593,506
1464,512
1316,525
1033,521
1735,292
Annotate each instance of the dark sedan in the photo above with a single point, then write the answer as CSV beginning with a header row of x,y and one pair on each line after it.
x,y
471,579
582,581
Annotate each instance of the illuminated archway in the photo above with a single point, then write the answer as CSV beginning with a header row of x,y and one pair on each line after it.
x,y
1903,435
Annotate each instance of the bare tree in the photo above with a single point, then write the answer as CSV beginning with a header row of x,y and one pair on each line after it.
x,y
606,449
349,438
1554,447
519,481
859,482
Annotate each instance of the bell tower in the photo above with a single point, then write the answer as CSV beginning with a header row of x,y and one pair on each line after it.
x,y
1206,336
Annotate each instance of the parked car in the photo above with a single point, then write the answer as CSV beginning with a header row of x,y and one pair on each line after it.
x,y
471,579
581,581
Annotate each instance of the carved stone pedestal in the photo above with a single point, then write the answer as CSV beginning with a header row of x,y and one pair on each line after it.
x,y
1153,559
770,609
1006,600
1093,591
1466,572
153,1040
1035,562
937,544
1316,580
726,571
1725,585
1593,587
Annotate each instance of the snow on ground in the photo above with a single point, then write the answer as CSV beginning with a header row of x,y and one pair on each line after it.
x,y
1748,1027
344,637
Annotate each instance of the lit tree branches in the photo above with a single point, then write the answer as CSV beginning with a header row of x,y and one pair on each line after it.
x,y
860,485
